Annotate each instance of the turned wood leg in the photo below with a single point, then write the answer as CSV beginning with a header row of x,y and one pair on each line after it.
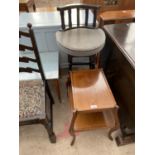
x,y
115,111
71,129
49,127
48,122
97,60
92,61
34,8
70,62
68,84
57,86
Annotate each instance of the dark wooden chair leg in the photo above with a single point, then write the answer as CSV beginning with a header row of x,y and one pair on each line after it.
x,y
71,129
48,122
49,127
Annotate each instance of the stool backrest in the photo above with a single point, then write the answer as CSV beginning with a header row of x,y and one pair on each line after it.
x,y
78,8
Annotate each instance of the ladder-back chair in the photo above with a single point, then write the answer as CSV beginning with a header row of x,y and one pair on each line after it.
x,y
35,98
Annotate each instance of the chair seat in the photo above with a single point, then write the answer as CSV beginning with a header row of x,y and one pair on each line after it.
x,y
81,41
31,100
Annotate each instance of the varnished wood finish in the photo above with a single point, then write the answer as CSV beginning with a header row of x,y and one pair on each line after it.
x,y
121,16
91,88
90,96
123,36
24,5
89,121
47,121
122,5
119,68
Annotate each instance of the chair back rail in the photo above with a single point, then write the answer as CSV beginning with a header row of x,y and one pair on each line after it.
x,y
33,48
24,47
28,69
78,7
26,59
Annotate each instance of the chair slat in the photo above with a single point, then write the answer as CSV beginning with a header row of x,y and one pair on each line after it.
x,y
94,19
24,47
86,17
25,34
78,17
26,59
28,69
70,18
62,19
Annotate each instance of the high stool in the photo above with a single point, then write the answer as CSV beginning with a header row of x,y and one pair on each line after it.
x,y
79,38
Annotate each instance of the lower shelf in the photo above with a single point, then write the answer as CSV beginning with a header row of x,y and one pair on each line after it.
x,y
89,121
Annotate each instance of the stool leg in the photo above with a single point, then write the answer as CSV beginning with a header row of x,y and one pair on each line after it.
x,y
92,61
57,86
70,62
115,110
97,60
71,129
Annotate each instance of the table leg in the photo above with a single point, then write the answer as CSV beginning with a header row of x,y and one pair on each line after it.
x,y
71,129
57,86
115,111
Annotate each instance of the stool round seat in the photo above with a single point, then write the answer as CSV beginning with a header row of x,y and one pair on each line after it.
x,y
81,41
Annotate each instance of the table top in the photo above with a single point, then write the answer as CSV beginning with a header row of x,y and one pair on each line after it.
x,y
90,91
23,1
123,36
116,15
50,63
49,19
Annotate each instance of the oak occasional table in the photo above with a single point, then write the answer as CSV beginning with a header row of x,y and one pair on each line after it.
x,y
25,4
92,102
121,16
